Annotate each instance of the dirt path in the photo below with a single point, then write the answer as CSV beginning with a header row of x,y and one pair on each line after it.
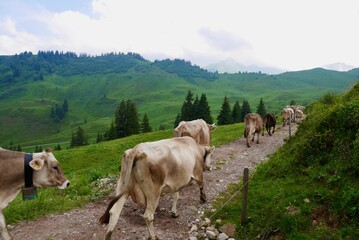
x,y
83,223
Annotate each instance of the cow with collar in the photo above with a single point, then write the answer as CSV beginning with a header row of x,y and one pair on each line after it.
x,y
19,170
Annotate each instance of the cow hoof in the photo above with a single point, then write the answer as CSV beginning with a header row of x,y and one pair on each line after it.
x,y
174,215
108,235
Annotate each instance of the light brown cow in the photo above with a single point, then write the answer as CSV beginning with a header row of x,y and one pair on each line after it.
x,y
152,168
198,129
299,114
45,170
253,124
287,115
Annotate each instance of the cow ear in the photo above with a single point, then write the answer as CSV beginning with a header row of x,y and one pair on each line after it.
x,y
36,163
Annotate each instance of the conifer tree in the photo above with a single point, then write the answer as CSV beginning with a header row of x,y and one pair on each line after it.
x,y
195,109
79,138
65,107
126,119
246,108
177,120
133,124
204,110
145,125
261,110
120,122
225,117
187,107
236,113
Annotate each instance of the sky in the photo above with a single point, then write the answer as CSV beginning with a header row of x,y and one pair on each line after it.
x,y
285,34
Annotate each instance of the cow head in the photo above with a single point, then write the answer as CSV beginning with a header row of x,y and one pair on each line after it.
x,y
207,157
47,171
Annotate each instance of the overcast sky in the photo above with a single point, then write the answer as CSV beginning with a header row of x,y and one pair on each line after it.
x,y
286,34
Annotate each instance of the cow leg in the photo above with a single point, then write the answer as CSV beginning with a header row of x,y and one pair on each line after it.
x,y
148,216
257,137
115,214
4,232
174,205
203,196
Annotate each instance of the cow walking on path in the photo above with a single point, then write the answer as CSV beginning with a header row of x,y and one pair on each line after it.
x,y
198,129
269,122
253,124
152,168
44,171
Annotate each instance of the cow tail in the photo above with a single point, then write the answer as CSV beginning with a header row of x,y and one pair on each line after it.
x,y
105,218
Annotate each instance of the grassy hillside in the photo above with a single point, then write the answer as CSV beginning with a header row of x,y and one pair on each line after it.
x,y
94,86
310,188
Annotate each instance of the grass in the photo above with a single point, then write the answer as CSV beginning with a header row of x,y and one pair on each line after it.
x,y
314,177
87,166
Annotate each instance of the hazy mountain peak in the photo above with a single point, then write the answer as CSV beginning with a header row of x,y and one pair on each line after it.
x,y
230,65
339,66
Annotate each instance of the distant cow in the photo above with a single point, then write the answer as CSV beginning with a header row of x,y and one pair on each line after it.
x,y
43,167
269,122
198,129
299,114
287,115
252,124
152,168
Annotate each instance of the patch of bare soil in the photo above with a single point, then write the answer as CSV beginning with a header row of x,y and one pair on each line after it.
x,y
82,223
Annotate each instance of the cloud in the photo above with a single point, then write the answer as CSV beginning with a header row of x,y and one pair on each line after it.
x,y
223,41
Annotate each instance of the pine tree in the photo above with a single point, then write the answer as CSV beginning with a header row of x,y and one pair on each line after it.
x,y
204,110
236,113
126,119
196,109
261,110
120,122
177,120
246,108
187,108
145,125
133,124
225,117
79,138
65,107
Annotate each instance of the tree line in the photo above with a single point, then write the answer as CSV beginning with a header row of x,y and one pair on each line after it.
x,y
127,119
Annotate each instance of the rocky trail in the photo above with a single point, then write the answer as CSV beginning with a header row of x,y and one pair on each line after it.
x,y
228,160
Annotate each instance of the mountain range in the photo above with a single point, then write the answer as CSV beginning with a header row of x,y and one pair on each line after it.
x,y
230,65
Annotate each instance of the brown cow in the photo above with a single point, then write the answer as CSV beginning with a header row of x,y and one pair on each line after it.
x,y
152,168
269,122
198,129
45,170
252,124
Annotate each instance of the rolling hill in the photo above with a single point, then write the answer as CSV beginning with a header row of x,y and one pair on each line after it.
x,y
30,85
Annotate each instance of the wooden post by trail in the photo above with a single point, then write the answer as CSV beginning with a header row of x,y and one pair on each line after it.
x,y
244,198
290,125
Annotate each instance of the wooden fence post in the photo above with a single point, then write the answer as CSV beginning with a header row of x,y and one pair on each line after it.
x,y
290,125
244,198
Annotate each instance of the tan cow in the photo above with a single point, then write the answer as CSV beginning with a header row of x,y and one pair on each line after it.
x,y
152,168
299,114
287,115
198,129
253,124
45,171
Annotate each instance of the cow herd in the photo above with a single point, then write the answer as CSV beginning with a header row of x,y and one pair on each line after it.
x,y
148,169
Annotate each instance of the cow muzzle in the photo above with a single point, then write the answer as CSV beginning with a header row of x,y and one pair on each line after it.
x,y
64,185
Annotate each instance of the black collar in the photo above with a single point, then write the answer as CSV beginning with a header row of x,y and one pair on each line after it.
x,y
28,171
